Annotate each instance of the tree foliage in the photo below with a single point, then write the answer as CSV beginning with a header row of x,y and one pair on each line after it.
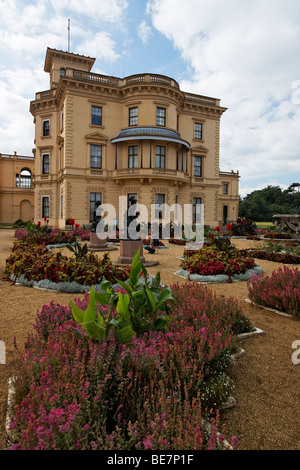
x,y
262,204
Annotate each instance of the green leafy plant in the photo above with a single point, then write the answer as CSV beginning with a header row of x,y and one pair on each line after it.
x,y
141,308
78,250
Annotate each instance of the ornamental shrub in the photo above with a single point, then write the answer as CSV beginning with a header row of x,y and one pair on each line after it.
x,y
280,290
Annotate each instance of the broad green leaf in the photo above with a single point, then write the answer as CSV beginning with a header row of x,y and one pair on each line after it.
x,y
135,269
103,298
125,286
100,320
124,335
122,305
165,294
78,314
105,285
144,271
90,312
94,330
151,298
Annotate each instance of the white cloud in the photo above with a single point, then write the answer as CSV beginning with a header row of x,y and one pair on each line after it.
x,y
99,45
111,11
244,53
144,32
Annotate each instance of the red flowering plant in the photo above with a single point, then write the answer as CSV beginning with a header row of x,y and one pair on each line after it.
x,y
210,261
243,227
36,262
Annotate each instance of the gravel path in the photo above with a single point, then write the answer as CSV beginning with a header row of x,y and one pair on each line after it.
x,y
267,392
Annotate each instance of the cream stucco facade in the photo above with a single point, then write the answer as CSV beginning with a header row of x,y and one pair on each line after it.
x,y
99,137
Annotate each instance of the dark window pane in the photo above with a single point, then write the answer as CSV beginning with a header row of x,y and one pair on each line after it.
x,y
97,115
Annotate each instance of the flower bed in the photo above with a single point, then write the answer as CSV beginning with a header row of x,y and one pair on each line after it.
x,y
36,264
286,258
177,241
53,237
210,262
278,236
74,393
280,291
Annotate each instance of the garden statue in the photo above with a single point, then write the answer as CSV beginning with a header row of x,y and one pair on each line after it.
x,y
131,242
96,216
131,224
98,240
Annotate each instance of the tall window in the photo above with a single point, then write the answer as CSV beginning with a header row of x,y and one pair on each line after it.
x,y
198,130
45,206
97,115
96,156
132,156
94,197
46,164
197,201
198,166
133,116
61,206
225,188
160,160
159,201
46,127
161,117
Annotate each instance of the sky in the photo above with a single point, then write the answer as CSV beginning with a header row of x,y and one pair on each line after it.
x,y
243,52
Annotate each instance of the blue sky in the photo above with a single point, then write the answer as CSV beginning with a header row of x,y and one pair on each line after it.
x,y
244,52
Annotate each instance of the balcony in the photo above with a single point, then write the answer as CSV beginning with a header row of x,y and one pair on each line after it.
x,y
151,173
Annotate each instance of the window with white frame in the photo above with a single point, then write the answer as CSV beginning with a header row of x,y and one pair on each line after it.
x,y
45,206
197,201
198,130
46,127
45,164
133,116
25,179
161,117
197,166
160,157
132,156
159,202
97,115
96,156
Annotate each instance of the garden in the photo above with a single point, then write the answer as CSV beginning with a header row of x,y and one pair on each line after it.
x,y
132,363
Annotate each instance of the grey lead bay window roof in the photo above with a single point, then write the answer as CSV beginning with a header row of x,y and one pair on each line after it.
x,y
149,133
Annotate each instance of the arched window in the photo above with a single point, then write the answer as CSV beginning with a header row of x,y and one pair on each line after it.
x,y
25,180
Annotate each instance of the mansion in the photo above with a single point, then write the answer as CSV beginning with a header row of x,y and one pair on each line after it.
x,y
99,137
